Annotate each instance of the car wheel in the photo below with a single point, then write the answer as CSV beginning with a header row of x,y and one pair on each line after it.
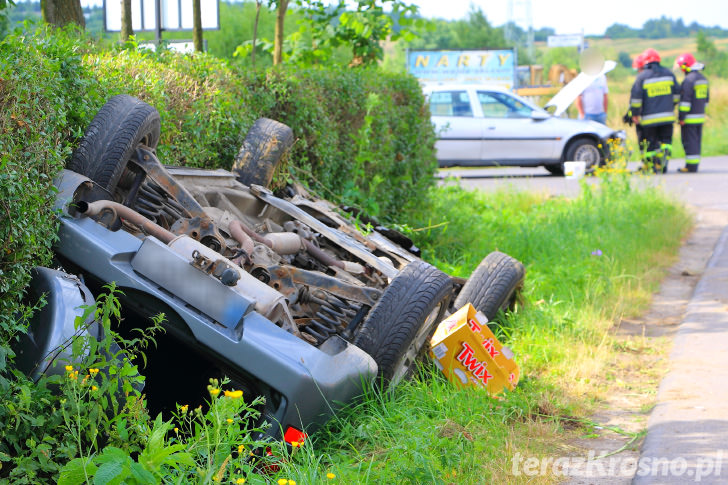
x,y
585,150
264,146
494,284
122,125
397,331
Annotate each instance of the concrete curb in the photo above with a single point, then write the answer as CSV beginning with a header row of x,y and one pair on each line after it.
x,y
687,437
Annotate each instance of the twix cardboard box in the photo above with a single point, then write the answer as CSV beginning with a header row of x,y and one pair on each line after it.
x,y
467,352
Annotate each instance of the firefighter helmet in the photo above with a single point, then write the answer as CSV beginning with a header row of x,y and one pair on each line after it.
x,y
638,62
650,55
685,61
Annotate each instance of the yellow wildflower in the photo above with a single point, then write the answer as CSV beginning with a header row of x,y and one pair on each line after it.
x,y
295,444
214,391
93,371
69,368
94,388
241,448
183,408
229,420
176,430
282,481
330,476
291,482
234,394
240,481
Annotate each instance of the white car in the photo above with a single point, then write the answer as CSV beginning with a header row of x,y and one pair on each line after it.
x,y
481,125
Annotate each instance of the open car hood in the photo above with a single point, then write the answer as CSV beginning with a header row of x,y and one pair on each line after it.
x,y
563,99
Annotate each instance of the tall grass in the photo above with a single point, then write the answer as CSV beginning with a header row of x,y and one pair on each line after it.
x,y
589,262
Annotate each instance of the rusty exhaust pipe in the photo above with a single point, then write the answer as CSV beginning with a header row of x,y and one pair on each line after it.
x,y
95,208
238,233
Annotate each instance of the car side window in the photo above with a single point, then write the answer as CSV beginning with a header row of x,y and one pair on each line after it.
x,y
498,105
450,103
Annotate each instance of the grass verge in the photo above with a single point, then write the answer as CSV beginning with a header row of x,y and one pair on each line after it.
x,y
590,261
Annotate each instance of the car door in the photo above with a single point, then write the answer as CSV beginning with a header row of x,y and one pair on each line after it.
x,y
460,132
511,134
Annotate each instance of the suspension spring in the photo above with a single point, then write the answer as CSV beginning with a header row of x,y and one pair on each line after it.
x,y
153,202
333,317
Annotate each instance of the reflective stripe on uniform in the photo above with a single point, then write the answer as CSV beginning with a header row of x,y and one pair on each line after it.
x,y
635,103
685,106
694,119
656,80
667,116
675,98
692,159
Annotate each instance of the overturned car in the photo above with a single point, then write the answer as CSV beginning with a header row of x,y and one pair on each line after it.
x,y
279,292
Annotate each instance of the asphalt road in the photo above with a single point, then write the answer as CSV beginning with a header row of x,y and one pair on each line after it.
x,y
706,189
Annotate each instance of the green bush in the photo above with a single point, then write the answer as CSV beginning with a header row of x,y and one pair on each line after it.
x,y
44,90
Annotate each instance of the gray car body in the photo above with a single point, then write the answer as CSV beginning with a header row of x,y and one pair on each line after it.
x,y
525,136
310,382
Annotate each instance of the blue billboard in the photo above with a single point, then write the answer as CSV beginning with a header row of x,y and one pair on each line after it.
x,y
496,67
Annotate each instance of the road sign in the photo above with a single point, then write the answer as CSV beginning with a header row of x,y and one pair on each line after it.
x,y
175,15
567,40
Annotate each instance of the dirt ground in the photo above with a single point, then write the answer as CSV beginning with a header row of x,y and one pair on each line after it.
x,y
639,367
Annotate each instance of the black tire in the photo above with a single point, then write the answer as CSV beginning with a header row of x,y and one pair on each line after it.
x,y
398,329
585,150
494,284
118,129
265,145
555,169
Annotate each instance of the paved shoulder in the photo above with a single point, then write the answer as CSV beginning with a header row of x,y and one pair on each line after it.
x,y
687,438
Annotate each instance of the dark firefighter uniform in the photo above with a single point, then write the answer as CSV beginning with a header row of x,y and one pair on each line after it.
x,y
654,95
694,96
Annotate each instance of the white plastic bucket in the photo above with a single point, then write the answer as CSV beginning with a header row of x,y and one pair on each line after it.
x,y
574,170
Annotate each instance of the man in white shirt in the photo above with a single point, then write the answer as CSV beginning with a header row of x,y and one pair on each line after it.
x,y
592,103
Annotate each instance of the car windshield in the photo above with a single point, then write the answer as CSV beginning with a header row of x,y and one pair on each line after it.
x,y
500,105
450,103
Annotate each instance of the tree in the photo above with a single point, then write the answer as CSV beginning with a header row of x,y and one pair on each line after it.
x,y
62,12
197,26
278,36
126,26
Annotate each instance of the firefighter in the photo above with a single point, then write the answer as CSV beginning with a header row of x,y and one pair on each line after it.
x,y
694,98
654,95
638,64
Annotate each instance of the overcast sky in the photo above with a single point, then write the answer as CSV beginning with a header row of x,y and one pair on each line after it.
x,y
571,16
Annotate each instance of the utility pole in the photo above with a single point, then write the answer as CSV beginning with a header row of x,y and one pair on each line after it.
x,y
520,13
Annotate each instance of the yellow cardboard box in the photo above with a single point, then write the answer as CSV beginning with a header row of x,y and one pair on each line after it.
x,y
467,352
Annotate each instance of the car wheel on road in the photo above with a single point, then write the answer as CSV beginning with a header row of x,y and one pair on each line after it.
x,y
264,146
494,284
121,126
399,326
585,150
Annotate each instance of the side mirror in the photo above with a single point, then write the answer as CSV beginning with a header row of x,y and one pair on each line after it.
x,y
539,115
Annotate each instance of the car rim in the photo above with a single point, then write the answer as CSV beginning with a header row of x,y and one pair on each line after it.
x,y
413,350
588,154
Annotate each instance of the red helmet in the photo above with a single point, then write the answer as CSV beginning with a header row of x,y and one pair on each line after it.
x,y
638,62
685,61
650,55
